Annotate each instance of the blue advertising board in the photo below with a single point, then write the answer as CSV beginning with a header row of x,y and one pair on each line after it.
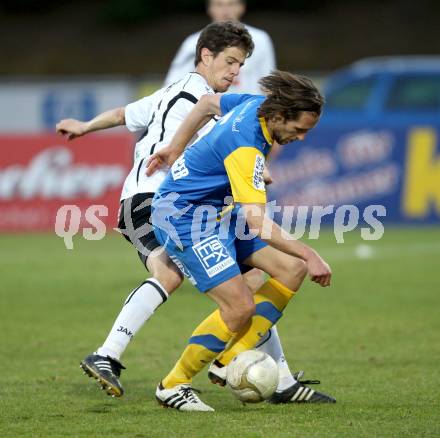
x,y
61,104
398,168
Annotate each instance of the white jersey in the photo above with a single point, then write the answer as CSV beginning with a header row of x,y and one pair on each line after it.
x,y
260,64
155,119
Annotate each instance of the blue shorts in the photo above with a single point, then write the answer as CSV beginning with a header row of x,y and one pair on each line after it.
x,y
214,259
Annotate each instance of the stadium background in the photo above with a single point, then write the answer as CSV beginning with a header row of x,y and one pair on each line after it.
x,y
373,340
58,61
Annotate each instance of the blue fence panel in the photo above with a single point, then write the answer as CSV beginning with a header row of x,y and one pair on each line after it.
x,y
398,168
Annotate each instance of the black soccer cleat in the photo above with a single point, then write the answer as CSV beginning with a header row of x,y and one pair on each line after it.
x,y
106,371
299,393
217,373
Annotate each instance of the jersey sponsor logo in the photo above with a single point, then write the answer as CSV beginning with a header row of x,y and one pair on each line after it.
x,y
213,256
257,179
235,123
179,169
240,117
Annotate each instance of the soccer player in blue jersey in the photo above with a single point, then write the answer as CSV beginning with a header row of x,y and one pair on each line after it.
x,y
211,242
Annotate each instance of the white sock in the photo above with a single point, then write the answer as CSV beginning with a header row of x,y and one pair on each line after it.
x,y
271,344
138,308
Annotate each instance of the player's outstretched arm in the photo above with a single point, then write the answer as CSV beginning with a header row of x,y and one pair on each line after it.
x,y
72,128
207,106
319,271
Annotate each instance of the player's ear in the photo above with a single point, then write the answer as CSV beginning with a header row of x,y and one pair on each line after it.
x,y
277,118
206,55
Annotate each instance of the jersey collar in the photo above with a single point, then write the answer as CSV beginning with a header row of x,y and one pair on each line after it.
x,y
266,134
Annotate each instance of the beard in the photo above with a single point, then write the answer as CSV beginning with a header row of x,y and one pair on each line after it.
x,y
276,136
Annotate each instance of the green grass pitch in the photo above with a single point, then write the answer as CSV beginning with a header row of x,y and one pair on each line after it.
x,y
373,339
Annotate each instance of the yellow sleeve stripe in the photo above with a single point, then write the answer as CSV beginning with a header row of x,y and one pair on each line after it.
x,y
244,167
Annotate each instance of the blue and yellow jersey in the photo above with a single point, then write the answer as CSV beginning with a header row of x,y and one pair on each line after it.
x,y
229,160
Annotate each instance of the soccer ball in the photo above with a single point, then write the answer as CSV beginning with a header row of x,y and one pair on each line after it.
x,y
252,376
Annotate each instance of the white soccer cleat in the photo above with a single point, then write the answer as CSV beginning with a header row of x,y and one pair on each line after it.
x,y
217,374
182,398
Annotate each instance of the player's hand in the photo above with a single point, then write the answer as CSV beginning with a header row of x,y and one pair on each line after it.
x,y
165,157
267,177
71,128
319,271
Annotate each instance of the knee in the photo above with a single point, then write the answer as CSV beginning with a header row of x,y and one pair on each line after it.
x,y
246,312
254,279
165,271
239,316
170,280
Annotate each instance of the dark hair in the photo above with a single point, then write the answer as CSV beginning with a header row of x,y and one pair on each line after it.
x,y
218,36
288,95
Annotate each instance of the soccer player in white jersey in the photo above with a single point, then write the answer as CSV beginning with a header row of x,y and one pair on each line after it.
x,y
260,64
221,50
